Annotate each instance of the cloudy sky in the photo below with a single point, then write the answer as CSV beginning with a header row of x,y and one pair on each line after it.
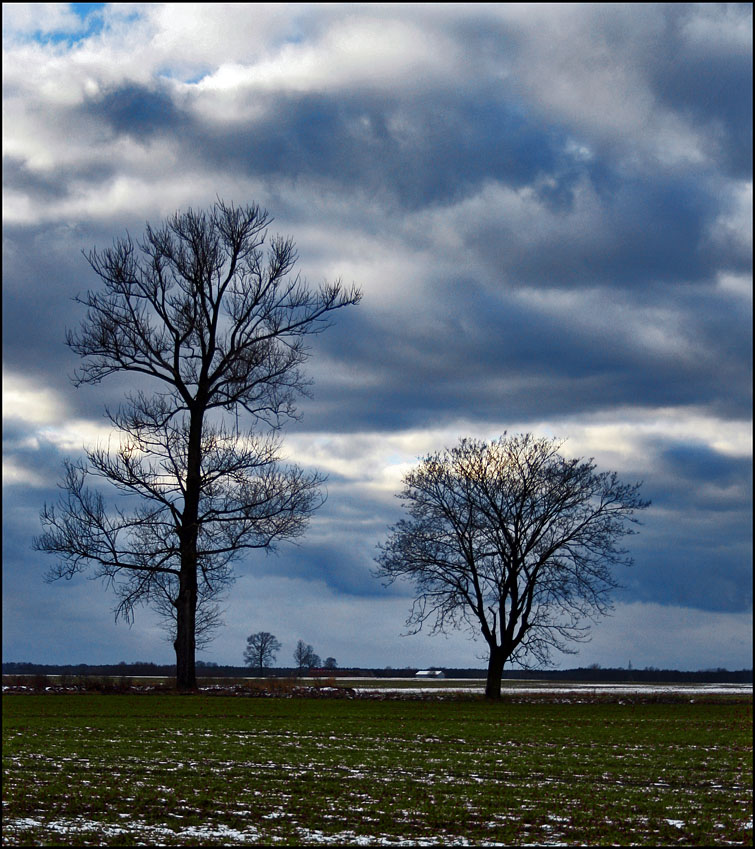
x,y
549,212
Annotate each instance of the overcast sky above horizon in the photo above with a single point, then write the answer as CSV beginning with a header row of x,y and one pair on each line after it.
x,y
549,211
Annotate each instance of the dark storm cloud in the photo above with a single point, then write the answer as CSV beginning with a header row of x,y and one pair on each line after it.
x,y
422,150
703,558
494,357
44,458
335,562
651,232
646,230
700,481
690,564
708,86
39,282
136,110
689,462
44,270
42,186
638,233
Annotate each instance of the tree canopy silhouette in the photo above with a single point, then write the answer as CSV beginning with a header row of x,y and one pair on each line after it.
x,y
261,649
209,312
512,540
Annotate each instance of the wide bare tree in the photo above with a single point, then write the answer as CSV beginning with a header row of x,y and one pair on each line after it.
x,y
208,314
513,541
261,649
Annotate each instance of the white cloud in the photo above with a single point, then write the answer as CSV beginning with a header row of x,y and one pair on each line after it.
x,y
466,234
627,439
143,194
226,48
71,435
47,418
585,64
368,47
25,19
27,401
192,35
719,27
14,474
739,285
623,440
616,318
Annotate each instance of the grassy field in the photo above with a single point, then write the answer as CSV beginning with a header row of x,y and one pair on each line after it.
x,y
217,770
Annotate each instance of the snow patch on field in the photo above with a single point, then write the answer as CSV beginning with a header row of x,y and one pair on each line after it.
x,y
80,826
230,836
579,688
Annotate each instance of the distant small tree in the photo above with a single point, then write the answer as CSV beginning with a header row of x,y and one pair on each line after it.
x,y
260,650
305,657
513,541
300,655
330,663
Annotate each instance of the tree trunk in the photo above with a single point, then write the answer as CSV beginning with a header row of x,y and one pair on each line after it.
x,y
186,608
495,673
186,676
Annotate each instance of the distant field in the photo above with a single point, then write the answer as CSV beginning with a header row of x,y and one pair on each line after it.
x,y
471,686
218,770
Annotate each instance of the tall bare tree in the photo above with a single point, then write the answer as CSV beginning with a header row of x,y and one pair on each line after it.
x,y
513,541
214,320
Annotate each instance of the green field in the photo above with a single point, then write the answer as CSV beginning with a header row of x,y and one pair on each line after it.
x,y
219,770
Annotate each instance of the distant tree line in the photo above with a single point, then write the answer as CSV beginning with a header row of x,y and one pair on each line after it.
x,y
204,670
262,648
211,670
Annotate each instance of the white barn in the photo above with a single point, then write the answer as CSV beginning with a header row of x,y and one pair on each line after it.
x,y
430,673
